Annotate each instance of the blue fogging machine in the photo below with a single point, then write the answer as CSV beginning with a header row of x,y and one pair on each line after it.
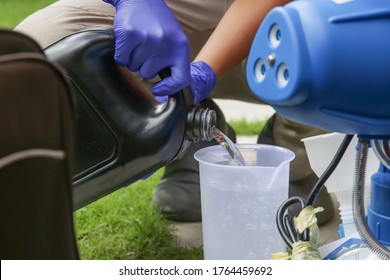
x,y
326,63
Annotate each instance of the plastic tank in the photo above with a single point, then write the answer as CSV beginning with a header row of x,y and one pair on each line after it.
x,y
122,132
325,63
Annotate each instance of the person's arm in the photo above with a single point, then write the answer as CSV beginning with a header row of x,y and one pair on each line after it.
x,y
231,41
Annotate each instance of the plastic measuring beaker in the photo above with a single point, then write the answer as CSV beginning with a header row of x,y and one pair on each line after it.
x,y
239,203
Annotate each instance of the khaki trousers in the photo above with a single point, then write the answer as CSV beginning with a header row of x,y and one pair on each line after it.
x,y
199,19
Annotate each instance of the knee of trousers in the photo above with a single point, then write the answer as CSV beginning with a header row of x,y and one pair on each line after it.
x,y
289,134
65,17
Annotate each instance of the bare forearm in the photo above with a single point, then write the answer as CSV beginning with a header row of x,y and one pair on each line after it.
x,y
232,39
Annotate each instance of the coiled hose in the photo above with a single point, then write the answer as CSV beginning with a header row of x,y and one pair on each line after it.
x,y
284,221
358,210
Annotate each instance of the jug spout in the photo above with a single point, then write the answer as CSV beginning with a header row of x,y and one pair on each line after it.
x,y
122,132
200,122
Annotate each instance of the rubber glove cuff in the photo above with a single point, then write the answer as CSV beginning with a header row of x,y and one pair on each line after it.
x,y
203,80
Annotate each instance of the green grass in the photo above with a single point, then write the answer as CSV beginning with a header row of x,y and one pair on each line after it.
x,y
14,11
122,225
245,127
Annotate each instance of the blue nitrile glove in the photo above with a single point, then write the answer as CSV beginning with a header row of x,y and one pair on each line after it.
x,y
148,39
203,80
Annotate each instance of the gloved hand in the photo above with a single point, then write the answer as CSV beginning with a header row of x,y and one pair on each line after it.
x,y
203,80
149,39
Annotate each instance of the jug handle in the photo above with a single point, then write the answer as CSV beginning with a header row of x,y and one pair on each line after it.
x,y
189,101
164,73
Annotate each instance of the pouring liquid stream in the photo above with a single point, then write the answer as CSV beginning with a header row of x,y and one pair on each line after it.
x,y
230,147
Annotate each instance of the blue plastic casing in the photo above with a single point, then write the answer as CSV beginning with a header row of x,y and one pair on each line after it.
x,y
326,63
378,212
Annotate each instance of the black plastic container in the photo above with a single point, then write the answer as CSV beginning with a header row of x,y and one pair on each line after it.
x,y
122,132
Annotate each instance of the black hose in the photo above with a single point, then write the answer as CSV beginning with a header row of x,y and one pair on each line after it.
x,y
284,220
330,169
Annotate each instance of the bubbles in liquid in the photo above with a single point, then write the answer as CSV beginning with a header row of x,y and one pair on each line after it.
x,y
230,147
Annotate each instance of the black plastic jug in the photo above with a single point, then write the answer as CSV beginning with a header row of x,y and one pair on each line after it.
x,y
122,132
